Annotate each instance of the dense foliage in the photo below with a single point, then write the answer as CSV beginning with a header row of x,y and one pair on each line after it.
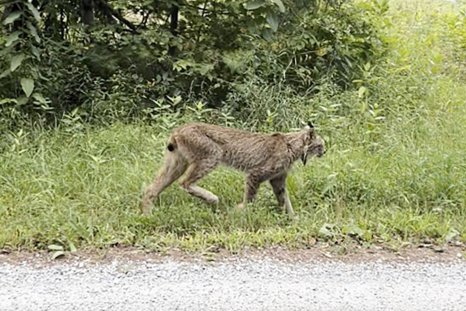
x,y
126,59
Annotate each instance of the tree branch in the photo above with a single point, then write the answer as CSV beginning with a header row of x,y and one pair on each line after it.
x,y
145,18
104,5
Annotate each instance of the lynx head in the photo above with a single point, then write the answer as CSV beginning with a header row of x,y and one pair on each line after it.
x,y
314,145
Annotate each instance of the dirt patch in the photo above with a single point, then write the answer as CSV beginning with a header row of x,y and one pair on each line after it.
x,y
319,252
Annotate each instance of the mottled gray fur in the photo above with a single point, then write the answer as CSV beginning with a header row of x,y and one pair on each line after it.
x,y
195,149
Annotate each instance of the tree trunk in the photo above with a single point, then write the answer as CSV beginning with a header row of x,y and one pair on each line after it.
x,y
87,12
173,26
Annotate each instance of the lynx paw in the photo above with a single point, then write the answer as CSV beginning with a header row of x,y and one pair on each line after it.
x,y
213,199
145,208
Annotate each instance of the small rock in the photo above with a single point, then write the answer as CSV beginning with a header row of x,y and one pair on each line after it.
x,y
438,249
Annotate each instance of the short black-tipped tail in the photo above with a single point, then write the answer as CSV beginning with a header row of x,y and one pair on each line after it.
x,y
171,146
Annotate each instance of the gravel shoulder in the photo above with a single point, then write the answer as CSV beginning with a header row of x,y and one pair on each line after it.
x,y
252,282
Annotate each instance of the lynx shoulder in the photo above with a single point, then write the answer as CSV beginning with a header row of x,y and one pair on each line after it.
x,y
195,149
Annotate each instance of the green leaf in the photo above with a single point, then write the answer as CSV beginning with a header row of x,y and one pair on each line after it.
x,y
8,100
254,4
12,38
362,90
73,248
182,64
58,254
5,73
175,100
204,69
33,31
451,235
28,86
267,34
12,17
40,99
327,231
35,52
16,61
55,247
281,7
353,230
34,11
272,19
23,100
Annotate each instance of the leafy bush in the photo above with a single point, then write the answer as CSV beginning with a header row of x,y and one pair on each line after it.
x,y
65,62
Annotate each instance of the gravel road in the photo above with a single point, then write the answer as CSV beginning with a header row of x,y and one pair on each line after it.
x,y
240,284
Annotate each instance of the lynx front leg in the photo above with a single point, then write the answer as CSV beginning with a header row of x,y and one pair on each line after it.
x,y
279,189
195,172
252,186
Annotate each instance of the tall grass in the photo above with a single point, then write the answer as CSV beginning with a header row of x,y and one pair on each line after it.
x,y
395,169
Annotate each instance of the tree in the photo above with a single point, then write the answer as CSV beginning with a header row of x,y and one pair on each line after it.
x,y
189,48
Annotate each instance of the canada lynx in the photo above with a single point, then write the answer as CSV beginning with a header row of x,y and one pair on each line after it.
x,y
195,149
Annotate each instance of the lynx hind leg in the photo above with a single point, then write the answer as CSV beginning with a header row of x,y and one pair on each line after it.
x,y
279,189
250,192
195,172
174,166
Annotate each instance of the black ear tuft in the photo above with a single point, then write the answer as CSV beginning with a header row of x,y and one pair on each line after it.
x,y
309,123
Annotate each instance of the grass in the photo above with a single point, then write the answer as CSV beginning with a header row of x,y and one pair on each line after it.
x,y
409,187
395,169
